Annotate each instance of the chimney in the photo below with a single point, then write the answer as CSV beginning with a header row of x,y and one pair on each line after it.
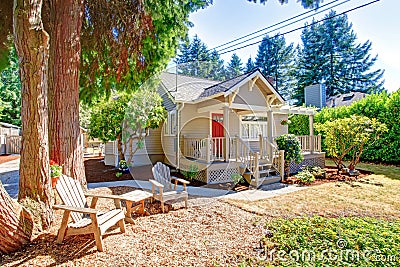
x,y
315,95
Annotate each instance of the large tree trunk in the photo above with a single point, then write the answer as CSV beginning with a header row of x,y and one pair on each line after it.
x,y
64,25
32,45
16,224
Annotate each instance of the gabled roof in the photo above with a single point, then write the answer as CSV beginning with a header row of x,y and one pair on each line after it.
x,y
193,89
224,86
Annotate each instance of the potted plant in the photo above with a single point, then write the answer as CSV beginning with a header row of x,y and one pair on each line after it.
x,y
291,145
55,172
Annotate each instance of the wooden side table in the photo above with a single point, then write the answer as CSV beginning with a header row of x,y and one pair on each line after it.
x,y
137,196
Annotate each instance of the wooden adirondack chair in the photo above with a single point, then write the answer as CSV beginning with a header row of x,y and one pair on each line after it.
x,y
76,207
166,190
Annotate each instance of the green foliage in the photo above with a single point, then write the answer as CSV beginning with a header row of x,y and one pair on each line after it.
x,y
304,3
319,241
383,106
305,177
237,178
55,169
122,164
299,125
118,174
191,173
331,54
117,57
275,59
234,67
194,59
316,171
292,147
10,91
348,136
106,119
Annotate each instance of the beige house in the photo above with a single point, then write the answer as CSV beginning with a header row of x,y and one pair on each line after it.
x,y
224,128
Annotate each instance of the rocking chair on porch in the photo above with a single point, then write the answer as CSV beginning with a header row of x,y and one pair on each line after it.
x,y
166,190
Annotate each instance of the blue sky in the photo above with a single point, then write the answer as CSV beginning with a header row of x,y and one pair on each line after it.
x,y
226,20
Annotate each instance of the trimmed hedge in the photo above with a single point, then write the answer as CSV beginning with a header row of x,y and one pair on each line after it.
x,y
384,107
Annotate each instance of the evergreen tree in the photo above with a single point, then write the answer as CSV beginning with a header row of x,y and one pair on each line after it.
x,y
10,91
217,71
195,59
331,55
250,65
275,60
234,67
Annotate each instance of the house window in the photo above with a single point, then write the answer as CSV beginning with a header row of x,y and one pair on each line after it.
x,y
170,124
252,127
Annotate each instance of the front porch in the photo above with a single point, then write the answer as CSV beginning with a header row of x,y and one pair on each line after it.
x,y
218,158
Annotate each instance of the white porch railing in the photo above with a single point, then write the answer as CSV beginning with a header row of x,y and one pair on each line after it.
x,y
310,143
196,148
207,149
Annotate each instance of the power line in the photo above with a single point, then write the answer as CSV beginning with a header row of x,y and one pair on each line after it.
x,y
284,26
276,24
305,26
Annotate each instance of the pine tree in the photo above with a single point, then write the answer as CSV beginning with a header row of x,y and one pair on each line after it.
x,y
217,71
331,55
250,65
234,67
193,58
275,60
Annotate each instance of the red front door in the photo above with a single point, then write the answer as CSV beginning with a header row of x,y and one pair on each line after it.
x,y
217,125
217,131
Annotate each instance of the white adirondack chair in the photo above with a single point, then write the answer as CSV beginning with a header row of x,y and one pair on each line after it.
x,y
76,207
162,187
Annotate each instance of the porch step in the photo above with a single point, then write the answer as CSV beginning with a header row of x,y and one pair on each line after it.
x,y
265,180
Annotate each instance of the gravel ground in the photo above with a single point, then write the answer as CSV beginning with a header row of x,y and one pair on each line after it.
x,y
208,233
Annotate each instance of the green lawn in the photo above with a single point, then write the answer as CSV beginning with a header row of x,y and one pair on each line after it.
x,y
357,222
319,241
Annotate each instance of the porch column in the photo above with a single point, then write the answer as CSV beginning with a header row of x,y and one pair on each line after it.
x,y
311,125
226,130
270,132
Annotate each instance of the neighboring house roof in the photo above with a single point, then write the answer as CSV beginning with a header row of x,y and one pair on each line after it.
x,y
8,125
344,100
184,88
181,88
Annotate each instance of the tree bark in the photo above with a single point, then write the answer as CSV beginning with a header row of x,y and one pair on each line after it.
x,y
16,224
64,24
32,45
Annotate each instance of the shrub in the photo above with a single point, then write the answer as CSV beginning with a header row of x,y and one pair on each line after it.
x,y
317,171
348,137
237,178
384,107
305,177
191,173
292,147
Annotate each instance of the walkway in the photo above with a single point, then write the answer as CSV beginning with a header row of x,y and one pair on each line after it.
x,y
9,177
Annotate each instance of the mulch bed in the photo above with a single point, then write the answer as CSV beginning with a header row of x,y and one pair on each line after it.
x,y
96,171
332,175
7,158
